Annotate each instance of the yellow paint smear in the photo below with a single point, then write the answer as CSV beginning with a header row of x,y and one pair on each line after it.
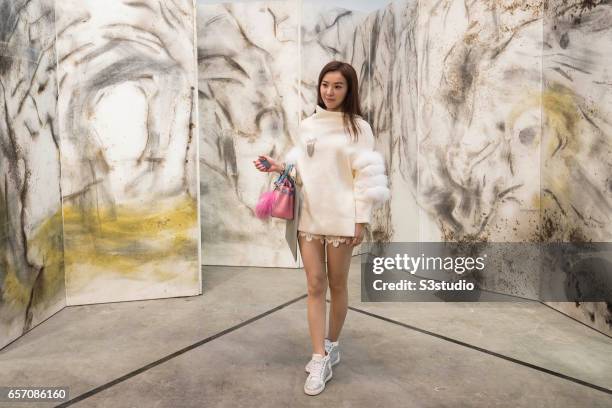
x,y
561,119
128,240
561,116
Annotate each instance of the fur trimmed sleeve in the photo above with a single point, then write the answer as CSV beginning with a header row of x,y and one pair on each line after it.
x,y
291,157
370,183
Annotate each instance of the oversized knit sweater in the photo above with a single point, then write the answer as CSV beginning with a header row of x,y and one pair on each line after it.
x,y
342,181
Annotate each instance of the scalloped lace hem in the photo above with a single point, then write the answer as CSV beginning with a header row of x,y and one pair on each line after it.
x,y
330,239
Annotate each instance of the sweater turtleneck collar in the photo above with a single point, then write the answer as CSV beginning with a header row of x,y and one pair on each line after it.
x,y
326,113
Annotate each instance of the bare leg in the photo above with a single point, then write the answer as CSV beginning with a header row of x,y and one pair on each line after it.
x,y
338,263
313,256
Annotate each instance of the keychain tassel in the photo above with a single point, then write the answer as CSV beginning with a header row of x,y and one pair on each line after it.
x,y
263,209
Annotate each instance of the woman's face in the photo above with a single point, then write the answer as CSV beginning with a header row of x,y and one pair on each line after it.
x,y
333,90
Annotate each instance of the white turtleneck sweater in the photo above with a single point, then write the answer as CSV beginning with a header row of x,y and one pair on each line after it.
x,y
342,180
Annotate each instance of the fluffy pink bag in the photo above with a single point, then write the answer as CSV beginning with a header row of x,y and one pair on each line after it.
x,y
278,203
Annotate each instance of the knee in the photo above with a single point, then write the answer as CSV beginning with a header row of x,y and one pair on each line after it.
x,y
316,287
337,287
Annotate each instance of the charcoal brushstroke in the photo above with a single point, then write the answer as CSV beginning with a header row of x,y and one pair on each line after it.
x,y
31,262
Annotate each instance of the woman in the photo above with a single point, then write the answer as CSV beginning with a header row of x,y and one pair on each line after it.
x,y
341,177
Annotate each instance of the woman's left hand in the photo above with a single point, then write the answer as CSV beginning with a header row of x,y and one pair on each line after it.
x,y
359,233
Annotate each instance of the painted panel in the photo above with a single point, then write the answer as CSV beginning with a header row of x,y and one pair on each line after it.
x,y
576,162
392,111
31,253
479,120
248,93
127,114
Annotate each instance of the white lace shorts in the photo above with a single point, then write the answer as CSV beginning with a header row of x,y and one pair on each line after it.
x,y
330,239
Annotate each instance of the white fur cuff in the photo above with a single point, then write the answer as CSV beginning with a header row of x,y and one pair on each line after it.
x,y
367,158
292,155
378,194
379,180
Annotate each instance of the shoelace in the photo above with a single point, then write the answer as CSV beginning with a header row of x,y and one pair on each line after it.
x,y
316,370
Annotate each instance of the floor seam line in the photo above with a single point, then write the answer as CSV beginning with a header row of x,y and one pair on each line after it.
x,y
574,319
483,350
177,353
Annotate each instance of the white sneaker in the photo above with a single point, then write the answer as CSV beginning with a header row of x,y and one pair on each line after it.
x,y
320,373
333,350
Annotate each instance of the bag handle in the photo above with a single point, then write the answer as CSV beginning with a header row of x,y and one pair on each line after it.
x,y
281,178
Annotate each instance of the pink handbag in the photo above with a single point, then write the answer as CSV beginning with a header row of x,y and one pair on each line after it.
x,y
284,195
279,202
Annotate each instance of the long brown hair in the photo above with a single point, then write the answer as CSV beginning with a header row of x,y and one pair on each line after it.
x,y
350,105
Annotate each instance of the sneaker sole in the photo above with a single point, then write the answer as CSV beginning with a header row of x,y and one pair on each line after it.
x,y
317,392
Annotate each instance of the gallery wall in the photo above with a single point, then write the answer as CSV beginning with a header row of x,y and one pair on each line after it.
x,y
512,136
98,156
478,131
248,105
576,150
490,129
493,118
258,67
31,254
127,113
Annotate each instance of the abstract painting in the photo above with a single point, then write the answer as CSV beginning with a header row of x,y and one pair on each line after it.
x,y
576,153
31,253
128,114
248,93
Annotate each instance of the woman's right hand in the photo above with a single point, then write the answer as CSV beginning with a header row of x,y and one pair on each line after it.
x,y
274,165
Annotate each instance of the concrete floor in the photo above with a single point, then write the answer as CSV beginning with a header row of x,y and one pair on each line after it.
x,y
244,343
